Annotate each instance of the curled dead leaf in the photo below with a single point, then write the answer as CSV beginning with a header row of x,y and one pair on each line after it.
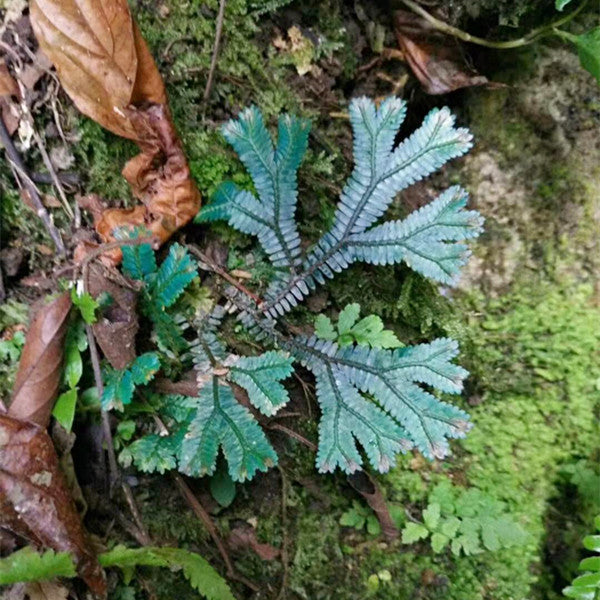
x,y
8,86
160,176
35,502
96,49
39,373
106,67
9,112
436,59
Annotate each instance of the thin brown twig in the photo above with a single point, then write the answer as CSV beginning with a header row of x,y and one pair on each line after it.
x,y
532,36
108,440
15,159
215,54
293,434
107,434
212,266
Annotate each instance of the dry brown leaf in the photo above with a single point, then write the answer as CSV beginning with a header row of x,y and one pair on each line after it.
x,y
244,536
436,59
116,328
160,176
45,590
39,373
91,44
34,498
101,58
106,67
9,112
8,86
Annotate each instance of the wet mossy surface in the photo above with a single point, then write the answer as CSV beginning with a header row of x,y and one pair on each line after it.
x,y
526,314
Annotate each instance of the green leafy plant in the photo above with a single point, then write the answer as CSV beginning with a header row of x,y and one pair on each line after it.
x,y
587,586
467,520
28,565
368,331
359,516
370,395
75,343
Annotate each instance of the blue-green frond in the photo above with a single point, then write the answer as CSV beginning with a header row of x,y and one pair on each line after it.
x,y
260,376
174,274
138,261
347,416
220,422
218,207
426,240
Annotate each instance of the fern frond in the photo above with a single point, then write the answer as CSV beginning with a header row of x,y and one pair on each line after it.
x,y
380,173
168,332
221,422
260,377
207,347
153,453
391,378
426,240
28,565
120,384
197,570
346,416
138,261
174,274
274,171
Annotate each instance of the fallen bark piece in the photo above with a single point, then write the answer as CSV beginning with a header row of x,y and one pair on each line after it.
x,y
39,373
436,59
35,502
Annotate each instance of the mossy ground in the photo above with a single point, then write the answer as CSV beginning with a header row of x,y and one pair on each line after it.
x,y
527,318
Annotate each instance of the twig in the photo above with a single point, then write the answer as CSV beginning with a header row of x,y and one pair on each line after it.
x,y
293,434
215,54
108,440
531,37
102,248
284,535
212,266
50,167
14,158
107,434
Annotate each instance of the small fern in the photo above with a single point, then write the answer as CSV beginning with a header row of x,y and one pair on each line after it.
x,y
587,585
28,565
371,391
368,331
163,286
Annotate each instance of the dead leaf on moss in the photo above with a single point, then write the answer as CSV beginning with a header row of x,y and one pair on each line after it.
x,y
437,60
9,89
45,590
40,368
117,326
35,502
94,50
244,536
160,176
106,67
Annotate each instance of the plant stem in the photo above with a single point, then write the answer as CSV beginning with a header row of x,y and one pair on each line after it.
x,y
215,54
21,171
529,38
